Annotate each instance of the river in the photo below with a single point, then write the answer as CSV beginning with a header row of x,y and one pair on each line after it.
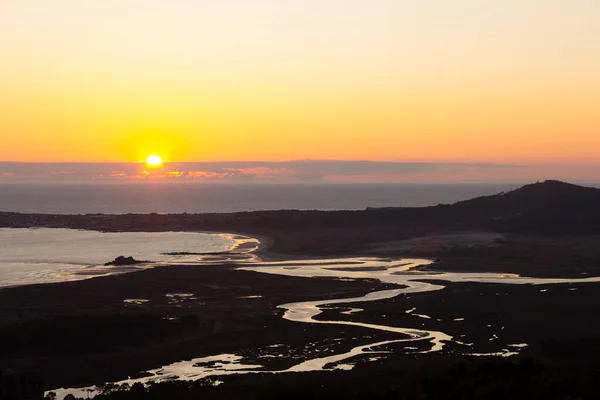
x,y
410,276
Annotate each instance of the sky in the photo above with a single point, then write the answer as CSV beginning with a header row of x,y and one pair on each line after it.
x,y
291,172
511,82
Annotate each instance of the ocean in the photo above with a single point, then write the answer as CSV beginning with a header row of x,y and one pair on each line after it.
x,y
164,198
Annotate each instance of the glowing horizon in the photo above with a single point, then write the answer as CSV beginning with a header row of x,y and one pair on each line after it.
x,y
474,81
307,171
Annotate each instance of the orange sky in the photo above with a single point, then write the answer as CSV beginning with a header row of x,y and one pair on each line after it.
x,y
474,81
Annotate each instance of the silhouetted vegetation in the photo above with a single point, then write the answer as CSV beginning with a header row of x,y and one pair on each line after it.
x,y
75,334
19,386
467,380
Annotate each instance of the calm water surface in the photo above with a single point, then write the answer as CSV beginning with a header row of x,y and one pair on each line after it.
x,y
119,198
30,256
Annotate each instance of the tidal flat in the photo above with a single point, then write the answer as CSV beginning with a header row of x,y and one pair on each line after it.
x,y
491,283
91,332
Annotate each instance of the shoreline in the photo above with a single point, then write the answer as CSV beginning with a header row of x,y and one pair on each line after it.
x,y
450,252
72,271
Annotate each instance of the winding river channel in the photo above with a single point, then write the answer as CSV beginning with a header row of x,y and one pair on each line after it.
x,y
411,276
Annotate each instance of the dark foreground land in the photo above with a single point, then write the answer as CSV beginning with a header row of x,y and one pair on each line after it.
x,y
83,333
457,380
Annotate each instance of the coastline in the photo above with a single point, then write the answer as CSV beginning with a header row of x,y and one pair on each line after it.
x,y
452,252
182,312
51,264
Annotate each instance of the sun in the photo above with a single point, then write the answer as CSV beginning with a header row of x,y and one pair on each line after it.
x,y
154,160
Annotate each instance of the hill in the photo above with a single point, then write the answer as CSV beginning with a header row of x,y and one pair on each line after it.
x,y
548,196
549,207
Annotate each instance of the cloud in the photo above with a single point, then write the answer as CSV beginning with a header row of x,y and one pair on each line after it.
x,y
287,171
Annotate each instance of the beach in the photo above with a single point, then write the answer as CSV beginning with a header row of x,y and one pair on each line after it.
x,y
42,255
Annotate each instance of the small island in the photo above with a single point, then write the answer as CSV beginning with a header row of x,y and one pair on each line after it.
x,y
122,260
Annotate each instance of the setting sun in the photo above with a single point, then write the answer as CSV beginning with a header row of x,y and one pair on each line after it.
x,y
154,160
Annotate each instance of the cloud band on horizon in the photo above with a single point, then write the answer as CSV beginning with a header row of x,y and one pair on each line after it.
x,y
303,171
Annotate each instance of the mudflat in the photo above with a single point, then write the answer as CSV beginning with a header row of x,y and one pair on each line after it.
x,y
108,328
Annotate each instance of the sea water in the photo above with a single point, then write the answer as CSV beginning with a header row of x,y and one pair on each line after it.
x,y
149,197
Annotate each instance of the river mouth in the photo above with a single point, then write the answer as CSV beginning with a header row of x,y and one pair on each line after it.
x,y
377,340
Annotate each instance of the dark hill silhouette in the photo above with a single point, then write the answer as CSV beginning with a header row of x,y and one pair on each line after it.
x,y
548,196
549,207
